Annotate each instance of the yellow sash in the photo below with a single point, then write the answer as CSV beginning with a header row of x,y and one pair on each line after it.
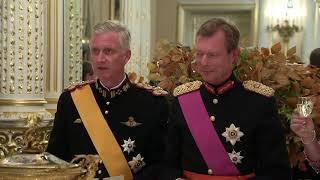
x,y
100,133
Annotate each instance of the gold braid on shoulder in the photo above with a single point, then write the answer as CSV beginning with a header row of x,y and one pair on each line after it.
x,y
258,88
155,90
74,86
187,87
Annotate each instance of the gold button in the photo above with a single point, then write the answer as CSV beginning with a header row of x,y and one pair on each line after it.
x,y
212,118
106,112
210,172
215,101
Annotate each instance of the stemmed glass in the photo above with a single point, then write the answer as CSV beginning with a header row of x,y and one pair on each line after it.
x,y
305,105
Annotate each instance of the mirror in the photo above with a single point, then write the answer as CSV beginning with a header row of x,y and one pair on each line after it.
x,y
79,18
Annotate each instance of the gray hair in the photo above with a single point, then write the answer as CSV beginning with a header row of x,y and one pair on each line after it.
x,y
231,31
112,26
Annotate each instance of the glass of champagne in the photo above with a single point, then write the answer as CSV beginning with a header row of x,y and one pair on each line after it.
x,y
305,105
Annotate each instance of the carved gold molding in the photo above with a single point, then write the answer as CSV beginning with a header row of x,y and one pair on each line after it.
x,y
52,31
13,117
73,28
52,100
13,140
48,45
52,111
51,105
56,24
23,102
24,130
23,48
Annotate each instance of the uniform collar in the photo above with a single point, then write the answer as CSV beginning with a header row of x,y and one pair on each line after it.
x,y
221,88
115,91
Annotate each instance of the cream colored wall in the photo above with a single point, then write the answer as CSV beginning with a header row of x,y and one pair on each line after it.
x,y
308,36
166,20
167,16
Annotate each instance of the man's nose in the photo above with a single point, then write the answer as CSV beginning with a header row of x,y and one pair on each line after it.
x,y
101,57
203,60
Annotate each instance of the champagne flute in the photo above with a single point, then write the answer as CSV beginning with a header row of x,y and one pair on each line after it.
x,y
304,109
305,105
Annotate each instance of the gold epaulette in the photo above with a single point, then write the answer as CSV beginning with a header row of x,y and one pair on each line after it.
x,y
73,86
258,88
155,90
187,87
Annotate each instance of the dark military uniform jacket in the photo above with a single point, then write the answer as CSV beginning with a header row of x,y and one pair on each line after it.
x,y
261,149
135,114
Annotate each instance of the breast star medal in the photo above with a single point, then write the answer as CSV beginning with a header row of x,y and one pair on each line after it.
x,y
131,122
232,134
128,146
235,157
137,163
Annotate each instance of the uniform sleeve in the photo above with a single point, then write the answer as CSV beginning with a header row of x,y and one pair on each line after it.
x,y
57,143
272,156
156,146
158,136
173,143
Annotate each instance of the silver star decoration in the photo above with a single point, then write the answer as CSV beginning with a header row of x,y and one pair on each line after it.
x,y
128,146
232,134
235,157
137,163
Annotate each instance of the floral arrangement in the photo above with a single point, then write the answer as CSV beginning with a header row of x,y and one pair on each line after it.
x,y
290,79
173,65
